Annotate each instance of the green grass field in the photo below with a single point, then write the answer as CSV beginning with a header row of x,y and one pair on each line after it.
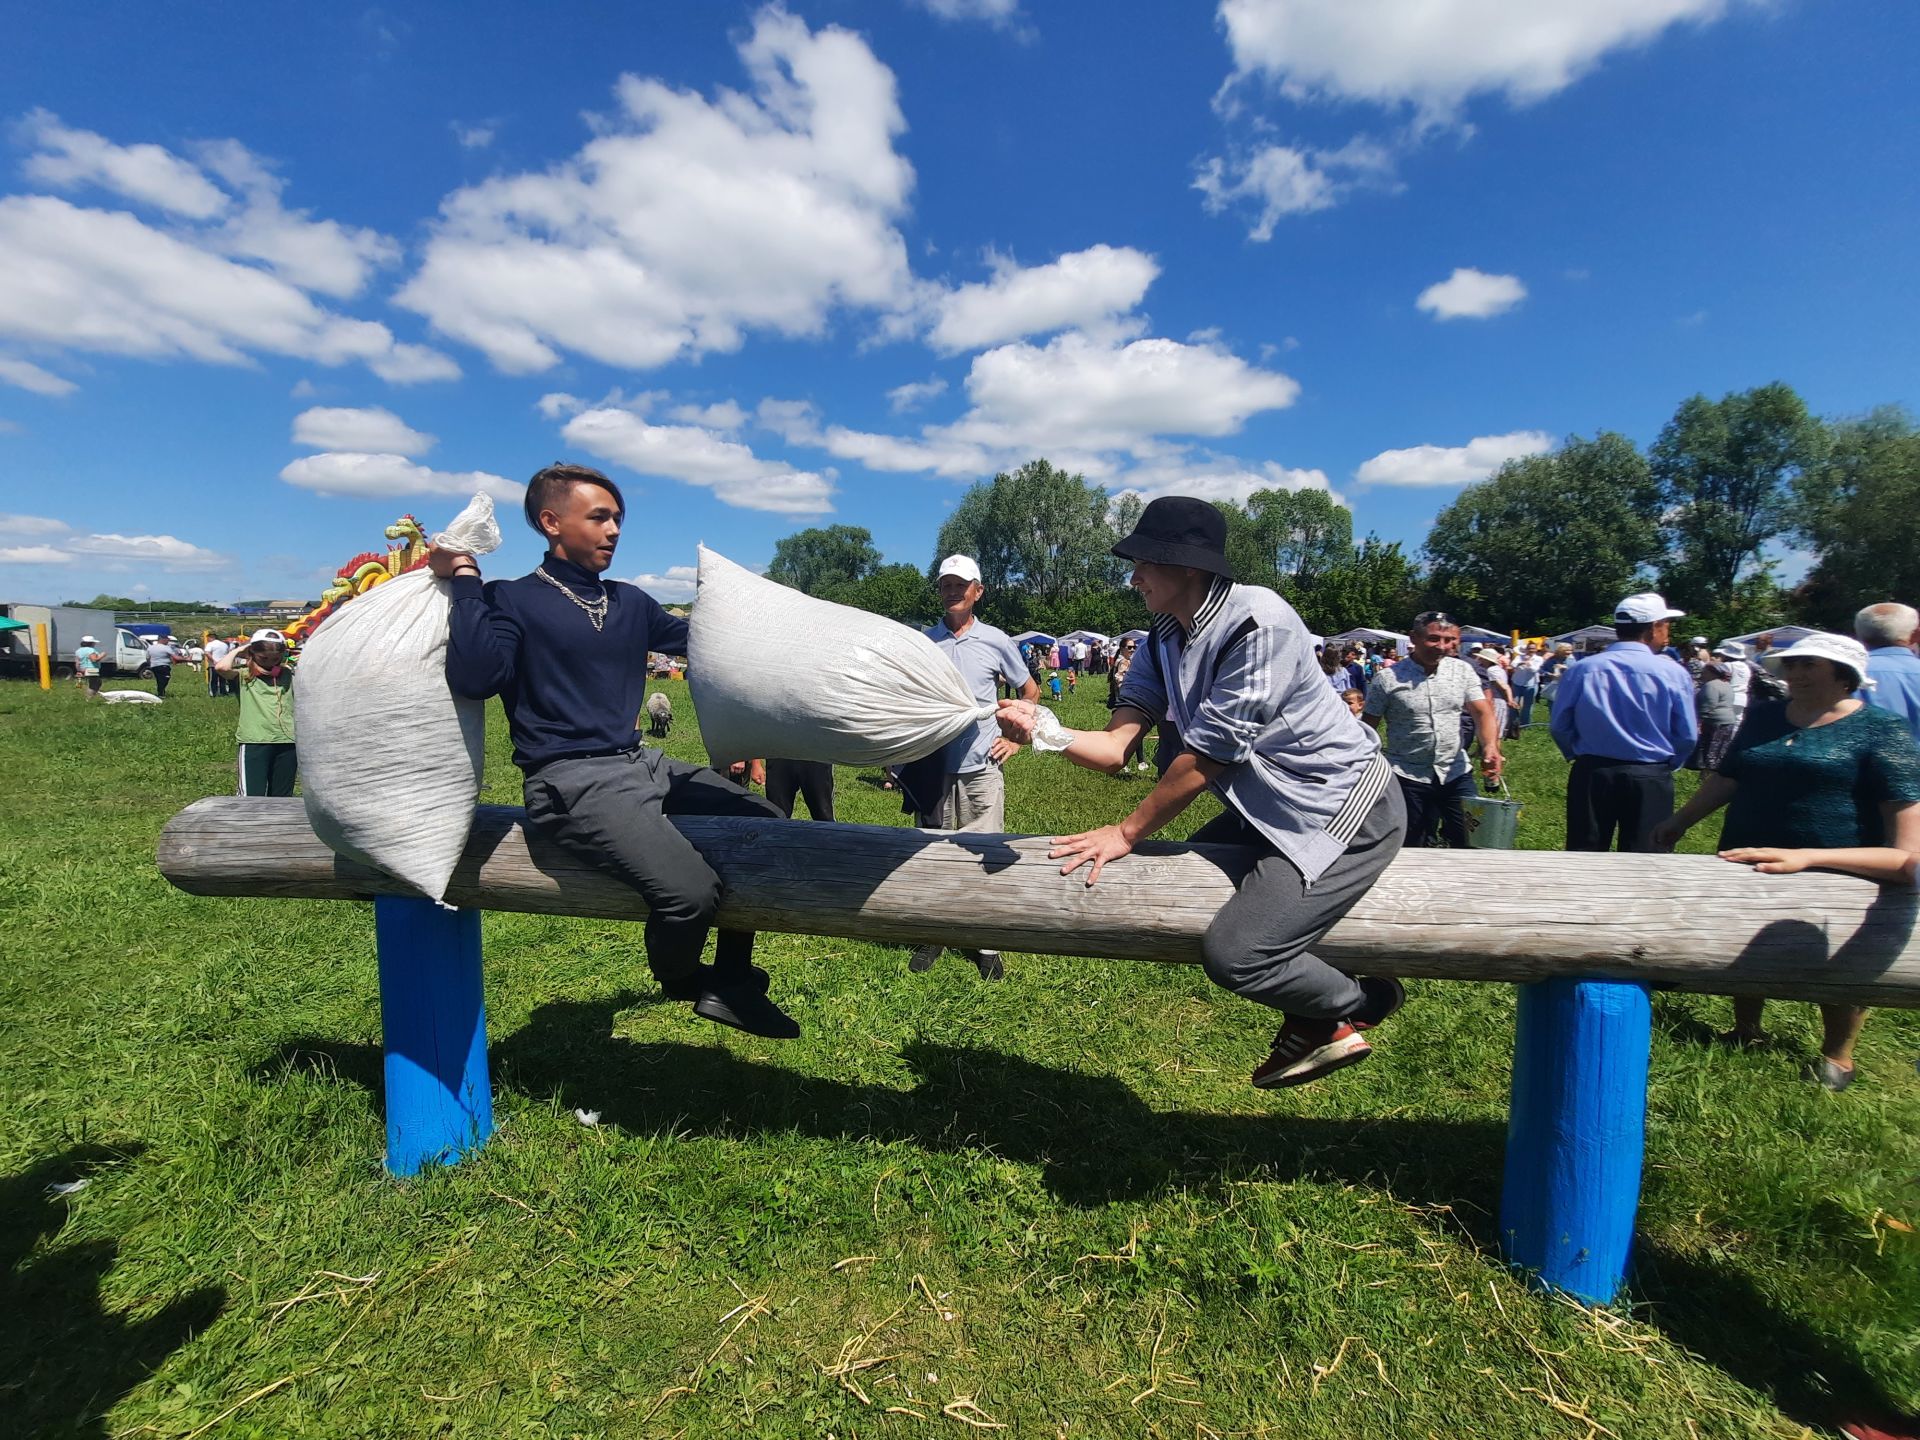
x,y
1051,1205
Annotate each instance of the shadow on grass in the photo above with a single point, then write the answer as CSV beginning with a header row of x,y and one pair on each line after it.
x,y
1093,1138
1720,1315
65,1360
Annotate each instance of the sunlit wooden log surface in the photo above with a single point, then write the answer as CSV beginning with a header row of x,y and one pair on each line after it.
x,y
1684,921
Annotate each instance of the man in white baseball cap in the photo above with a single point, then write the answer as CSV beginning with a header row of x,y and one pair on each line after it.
x,y
972,791
1625,718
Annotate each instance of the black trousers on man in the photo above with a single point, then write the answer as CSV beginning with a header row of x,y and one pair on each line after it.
x,y
161,675
810,780
1623,798
611,811
1432,803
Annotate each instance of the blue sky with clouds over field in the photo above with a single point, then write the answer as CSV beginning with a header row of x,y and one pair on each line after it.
x,y
269,278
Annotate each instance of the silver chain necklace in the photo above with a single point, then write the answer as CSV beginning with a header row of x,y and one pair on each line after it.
x,y
596,609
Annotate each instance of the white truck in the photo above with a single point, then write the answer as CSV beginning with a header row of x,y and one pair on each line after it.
x,y
122,652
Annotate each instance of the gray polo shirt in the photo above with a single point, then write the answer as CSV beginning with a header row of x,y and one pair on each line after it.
x,y
1244,689
1423,712
984,655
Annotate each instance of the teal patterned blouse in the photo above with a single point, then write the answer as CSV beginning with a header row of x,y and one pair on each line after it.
x,y
1820,788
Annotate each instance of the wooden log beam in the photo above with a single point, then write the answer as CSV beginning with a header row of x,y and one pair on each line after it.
x,y
1682,921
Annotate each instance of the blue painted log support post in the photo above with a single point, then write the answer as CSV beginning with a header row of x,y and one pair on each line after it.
x,y
439,1102
1576,1133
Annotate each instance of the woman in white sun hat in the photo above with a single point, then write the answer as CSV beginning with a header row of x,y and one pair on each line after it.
x,y
1821,780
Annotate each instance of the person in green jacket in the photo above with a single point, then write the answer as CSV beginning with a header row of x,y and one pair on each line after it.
x,y
267,758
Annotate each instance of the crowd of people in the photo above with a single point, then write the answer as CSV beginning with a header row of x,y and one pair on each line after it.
x,y
1811,749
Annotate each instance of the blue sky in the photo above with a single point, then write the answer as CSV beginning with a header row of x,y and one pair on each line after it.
x,y
270,277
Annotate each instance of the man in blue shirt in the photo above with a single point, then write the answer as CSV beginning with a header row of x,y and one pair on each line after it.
x,y
566,652
1625,717
1891,633
973,792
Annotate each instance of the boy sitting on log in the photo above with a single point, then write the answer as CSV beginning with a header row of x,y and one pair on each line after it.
x,y
1231,670
566,652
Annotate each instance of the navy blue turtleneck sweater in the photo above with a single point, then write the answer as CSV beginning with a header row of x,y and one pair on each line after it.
x,y
568,689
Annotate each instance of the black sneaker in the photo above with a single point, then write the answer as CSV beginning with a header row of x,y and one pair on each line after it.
x,y
745,1008
989,964
1384,995
923,957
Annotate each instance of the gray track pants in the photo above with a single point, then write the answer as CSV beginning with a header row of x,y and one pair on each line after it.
x,y
611,811
1258,944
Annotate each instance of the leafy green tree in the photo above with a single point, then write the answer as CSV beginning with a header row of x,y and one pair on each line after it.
x,y
1858,509
1548,542
1287,540
1374,584
1726,470
816,561
1041,537
899,592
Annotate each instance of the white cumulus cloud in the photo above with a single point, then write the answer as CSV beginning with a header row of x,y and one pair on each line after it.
x,y
167,551
374,429
675,587
226,273
1100,406
380,477
914,394
1075,292
15,526
1275,181
151,174
1452,464
687,222
1434,54
1210,477
1469,294
694,455
33,555
106,282
996,12
29,376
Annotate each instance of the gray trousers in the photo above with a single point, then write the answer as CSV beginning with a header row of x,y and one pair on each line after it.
x,y
1258,945
611,812
974,801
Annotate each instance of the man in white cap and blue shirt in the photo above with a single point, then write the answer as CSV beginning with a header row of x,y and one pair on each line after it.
x,y
1626,719
973,792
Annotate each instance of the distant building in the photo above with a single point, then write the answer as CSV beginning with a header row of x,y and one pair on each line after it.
x,y
290,607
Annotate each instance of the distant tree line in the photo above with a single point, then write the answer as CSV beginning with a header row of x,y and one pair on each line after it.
x,y
1553,540
1548,543
128,602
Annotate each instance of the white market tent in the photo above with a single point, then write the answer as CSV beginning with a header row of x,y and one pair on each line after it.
x,y
1585,635
1087,635
1033,637
1783,635
1480,632
1139,637
1371,636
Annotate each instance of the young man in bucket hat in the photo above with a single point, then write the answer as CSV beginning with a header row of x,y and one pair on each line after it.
x,y
1626,720
1230,670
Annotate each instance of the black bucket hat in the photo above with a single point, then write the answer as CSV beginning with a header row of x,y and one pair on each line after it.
x,y
1179,530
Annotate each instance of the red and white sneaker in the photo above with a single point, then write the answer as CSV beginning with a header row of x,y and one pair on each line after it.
x,y
1307,1049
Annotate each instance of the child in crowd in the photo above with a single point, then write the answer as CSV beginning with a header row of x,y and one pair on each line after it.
x,y
1053,683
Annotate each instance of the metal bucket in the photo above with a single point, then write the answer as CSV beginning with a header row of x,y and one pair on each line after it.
x,y
1493,824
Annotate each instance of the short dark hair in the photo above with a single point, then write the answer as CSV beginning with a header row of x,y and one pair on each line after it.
x,y
549,485
1633,632
1432,617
